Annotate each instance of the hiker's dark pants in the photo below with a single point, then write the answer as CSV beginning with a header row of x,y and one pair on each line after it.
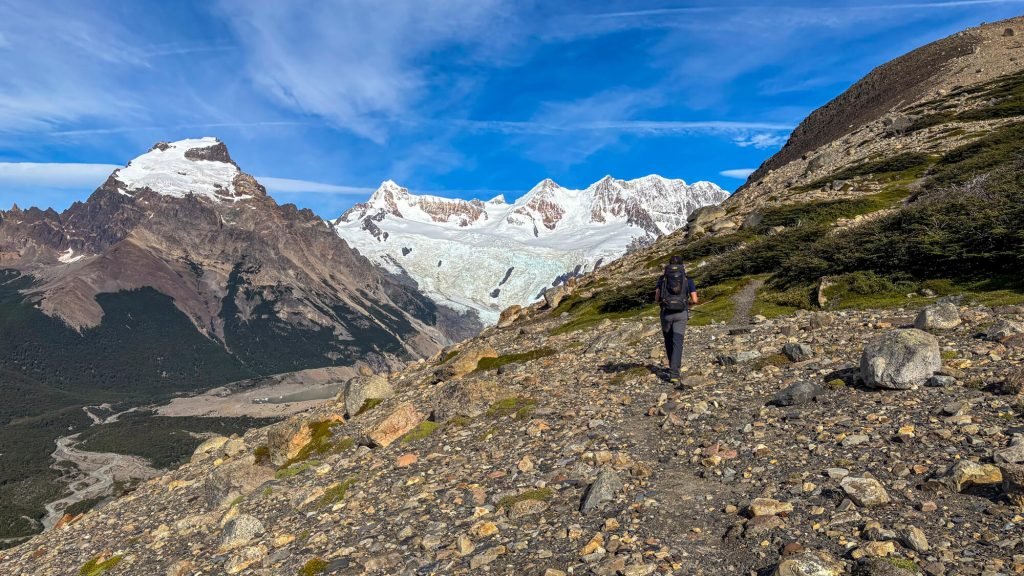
x,y
673,327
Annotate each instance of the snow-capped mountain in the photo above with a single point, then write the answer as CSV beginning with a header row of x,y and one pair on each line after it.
x,y
270,284
487,255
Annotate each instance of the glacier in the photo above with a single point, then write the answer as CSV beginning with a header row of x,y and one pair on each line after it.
x,y
488,255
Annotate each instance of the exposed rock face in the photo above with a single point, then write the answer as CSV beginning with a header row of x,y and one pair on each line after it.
x,y
900,359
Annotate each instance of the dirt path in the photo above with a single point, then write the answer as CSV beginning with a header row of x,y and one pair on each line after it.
x,y
745,303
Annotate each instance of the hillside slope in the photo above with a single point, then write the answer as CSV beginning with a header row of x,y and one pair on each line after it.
x,y
178,274
552,447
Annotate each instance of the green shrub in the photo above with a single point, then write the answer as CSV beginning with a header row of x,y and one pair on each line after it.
x,y
519,406
541,494
495,363
314,567
421,431
95,566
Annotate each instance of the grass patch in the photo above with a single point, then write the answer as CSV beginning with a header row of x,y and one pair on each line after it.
x,y
313,567
495,363
777,360
949,354
903,563
629,374
899,163
262,454
370,404
488,433
295,470
95,567
519,406
421,431
541,494
322,442
459,421
336,493
717,303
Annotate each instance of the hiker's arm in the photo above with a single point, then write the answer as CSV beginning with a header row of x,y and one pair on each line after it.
x,y
693,298
657,295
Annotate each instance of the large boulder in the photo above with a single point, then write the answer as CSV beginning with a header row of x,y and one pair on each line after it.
x,y
1013,483
941,316
705,215
553,296
233,479
467,397
362,388
811,563
1003,330
240,531
510,315
900,359
393,425
466,360
798,351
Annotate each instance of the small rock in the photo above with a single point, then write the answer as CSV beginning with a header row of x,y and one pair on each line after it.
x,y
798,351
865,492
799,393
769,507
915,539
605,489
940,381
738,357
966,473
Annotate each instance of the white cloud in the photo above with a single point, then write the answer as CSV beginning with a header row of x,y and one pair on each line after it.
x,y
355,63
633,126
54,175
738,173
72,176
761,140
291,186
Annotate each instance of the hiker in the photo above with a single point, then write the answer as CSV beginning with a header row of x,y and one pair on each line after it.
x,y
675,294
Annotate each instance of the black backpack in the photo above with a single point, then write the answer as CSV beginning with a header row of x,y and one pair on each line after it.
x,y
675,293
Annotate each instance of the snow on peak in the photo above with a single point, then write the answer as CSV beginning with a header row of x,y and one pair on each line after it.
x,y
199,166
486,256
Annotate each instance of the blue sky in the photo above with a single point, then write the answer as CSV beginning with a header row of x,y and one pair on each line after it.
x,y
470,98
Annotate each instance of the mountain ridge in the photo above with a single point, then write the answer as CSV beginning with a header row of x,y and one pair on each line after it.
x,y
507,254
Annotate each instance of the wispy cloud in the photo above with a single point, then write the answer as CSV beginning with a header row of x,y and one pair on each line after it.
x,y
174,127
738,173
54,175
633,126
350,62
75,176
292,186
761,140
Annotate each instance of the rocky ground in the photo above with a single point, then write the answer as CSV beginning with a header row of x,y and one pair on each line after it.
x,y
575,458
